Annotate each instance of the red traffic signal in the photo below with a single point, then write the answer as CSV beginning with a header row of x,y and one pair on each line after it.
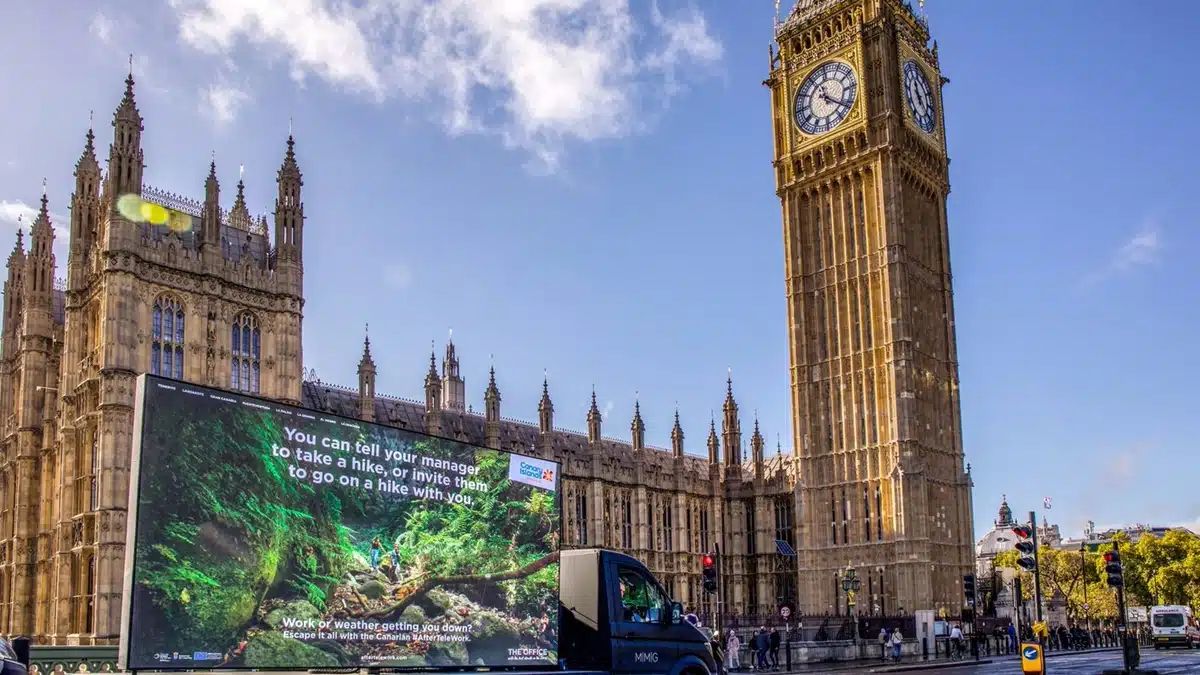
x,y
1114,569
1022,531
709,573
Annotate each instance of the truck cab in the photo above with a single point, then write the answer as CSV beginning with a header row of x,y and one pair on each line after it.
x,y
616,617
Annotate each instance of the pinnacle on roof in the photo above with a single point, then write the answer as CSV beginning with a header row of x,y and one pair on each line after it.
x,y
19,247
127,110
366,355
492,390
545,403
432,374
87,159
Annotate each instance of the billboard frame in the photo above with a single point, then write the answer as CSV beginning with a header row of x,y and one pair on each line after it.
x,y
131,519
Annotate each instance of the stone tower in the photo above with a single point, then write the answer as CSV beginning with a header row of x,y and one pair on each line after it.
x,y
198,295
862,175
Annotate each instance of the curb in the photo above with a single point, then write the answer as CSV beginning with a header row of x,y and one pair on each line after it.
x,y
931,665
1068,652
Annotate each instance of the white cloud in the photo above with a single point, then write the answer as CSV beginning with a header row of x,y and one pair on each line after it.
x,y
397,276
1141,249
101,28
536,73
221,102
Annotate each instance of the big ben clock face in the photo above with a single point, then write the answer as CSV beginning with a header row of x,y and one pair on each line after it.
x,y
919,96
825,98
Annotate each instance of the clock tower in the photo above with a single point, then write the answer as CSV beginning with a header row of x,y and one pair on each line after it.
x,y
862,176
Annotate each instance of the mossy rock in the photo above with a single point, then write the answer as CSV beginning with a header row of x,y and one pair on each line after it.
x,y
373,589
296,609
272,650
414,614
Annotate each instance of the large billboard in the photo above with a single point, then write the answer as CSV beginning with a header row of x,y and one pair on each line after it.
x,y
269,536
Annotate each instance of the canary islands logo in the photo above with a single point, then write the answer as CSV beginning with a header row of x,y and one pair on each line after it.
x,y
531,471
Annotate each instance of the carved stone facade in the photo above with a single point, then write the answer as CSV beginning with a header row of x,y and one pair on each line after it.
x,y
190,291
862,177
664,506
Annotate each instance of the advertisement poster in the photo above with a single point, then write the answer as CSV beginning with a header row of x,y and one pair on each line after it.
x,y
269,536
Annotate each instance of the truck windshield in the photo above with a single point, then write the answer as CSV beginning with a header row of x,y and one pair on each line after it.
x,y
1168,621
641,599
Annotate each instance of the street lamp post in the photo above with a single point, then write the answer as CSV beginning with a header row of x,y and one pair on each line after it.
x,y
1083,580
850,584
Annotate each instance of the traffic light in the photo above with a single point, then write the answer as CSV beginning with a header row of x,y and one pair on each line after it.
x,y
1028,558
969,589
709,564
1112,567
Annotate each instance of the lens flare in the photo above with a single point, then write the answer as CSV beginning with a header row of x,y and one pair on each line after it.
x,y
130,206
137,210
153,213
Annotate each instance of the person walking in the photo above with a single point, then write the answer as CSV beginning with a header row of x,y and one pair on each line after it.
x,y
762,644
897,641
883,644
732,647
775,640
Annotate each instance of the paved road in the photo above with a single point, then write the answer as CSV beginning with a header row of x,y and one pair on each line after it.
x,y
1171,662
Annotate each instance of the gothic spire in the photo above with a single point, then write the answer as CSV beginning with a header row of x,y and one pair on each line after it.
x,y
491,397
677,435
594,419
545,407
240,213
19,247
714,443
366,360
638,427
125,153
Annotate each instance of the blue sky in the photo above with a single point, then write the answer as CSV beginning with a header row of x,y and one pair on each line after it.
x,y
590,193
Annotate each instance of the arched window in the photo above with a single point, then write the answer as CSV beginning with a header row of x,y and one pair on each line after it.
x,y
166,342
245,341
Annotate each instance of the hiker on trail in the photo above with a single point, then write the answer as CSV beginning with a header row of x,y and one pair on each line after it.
x,y
376,552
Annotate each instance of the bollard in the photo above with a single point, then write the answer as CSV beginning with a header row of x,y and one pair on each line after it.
x,y
20,646
925,648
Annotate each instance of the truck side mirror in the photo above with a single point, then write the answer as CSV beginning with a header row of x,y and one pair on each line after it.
x,y
676,613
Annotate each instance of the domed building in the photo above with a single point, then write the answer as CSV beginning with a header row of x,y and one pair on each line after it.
x,y
997,541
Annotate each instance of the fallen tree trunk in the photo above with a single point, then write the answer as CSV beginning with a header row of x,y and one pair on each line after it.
x,y
459,579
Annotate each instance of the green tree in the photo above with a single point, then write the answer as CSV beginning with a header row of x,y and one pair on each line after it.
x,y
1162,570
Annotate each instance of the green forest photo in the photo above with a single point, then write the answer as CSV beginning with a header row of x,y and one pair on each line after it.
x,y
272,537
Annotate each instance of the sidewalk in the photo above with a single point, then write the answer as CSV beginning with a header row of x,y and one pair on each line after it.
x,y
874,665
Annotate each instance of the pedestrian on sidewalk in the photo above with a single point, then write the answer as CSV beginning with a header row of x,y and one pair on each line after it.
x,y
731,651
897,642
774,641
883,643
762,644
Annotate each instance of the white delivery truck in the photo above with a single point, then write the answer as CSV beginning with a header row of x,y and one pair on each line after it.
x,y
1173,626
